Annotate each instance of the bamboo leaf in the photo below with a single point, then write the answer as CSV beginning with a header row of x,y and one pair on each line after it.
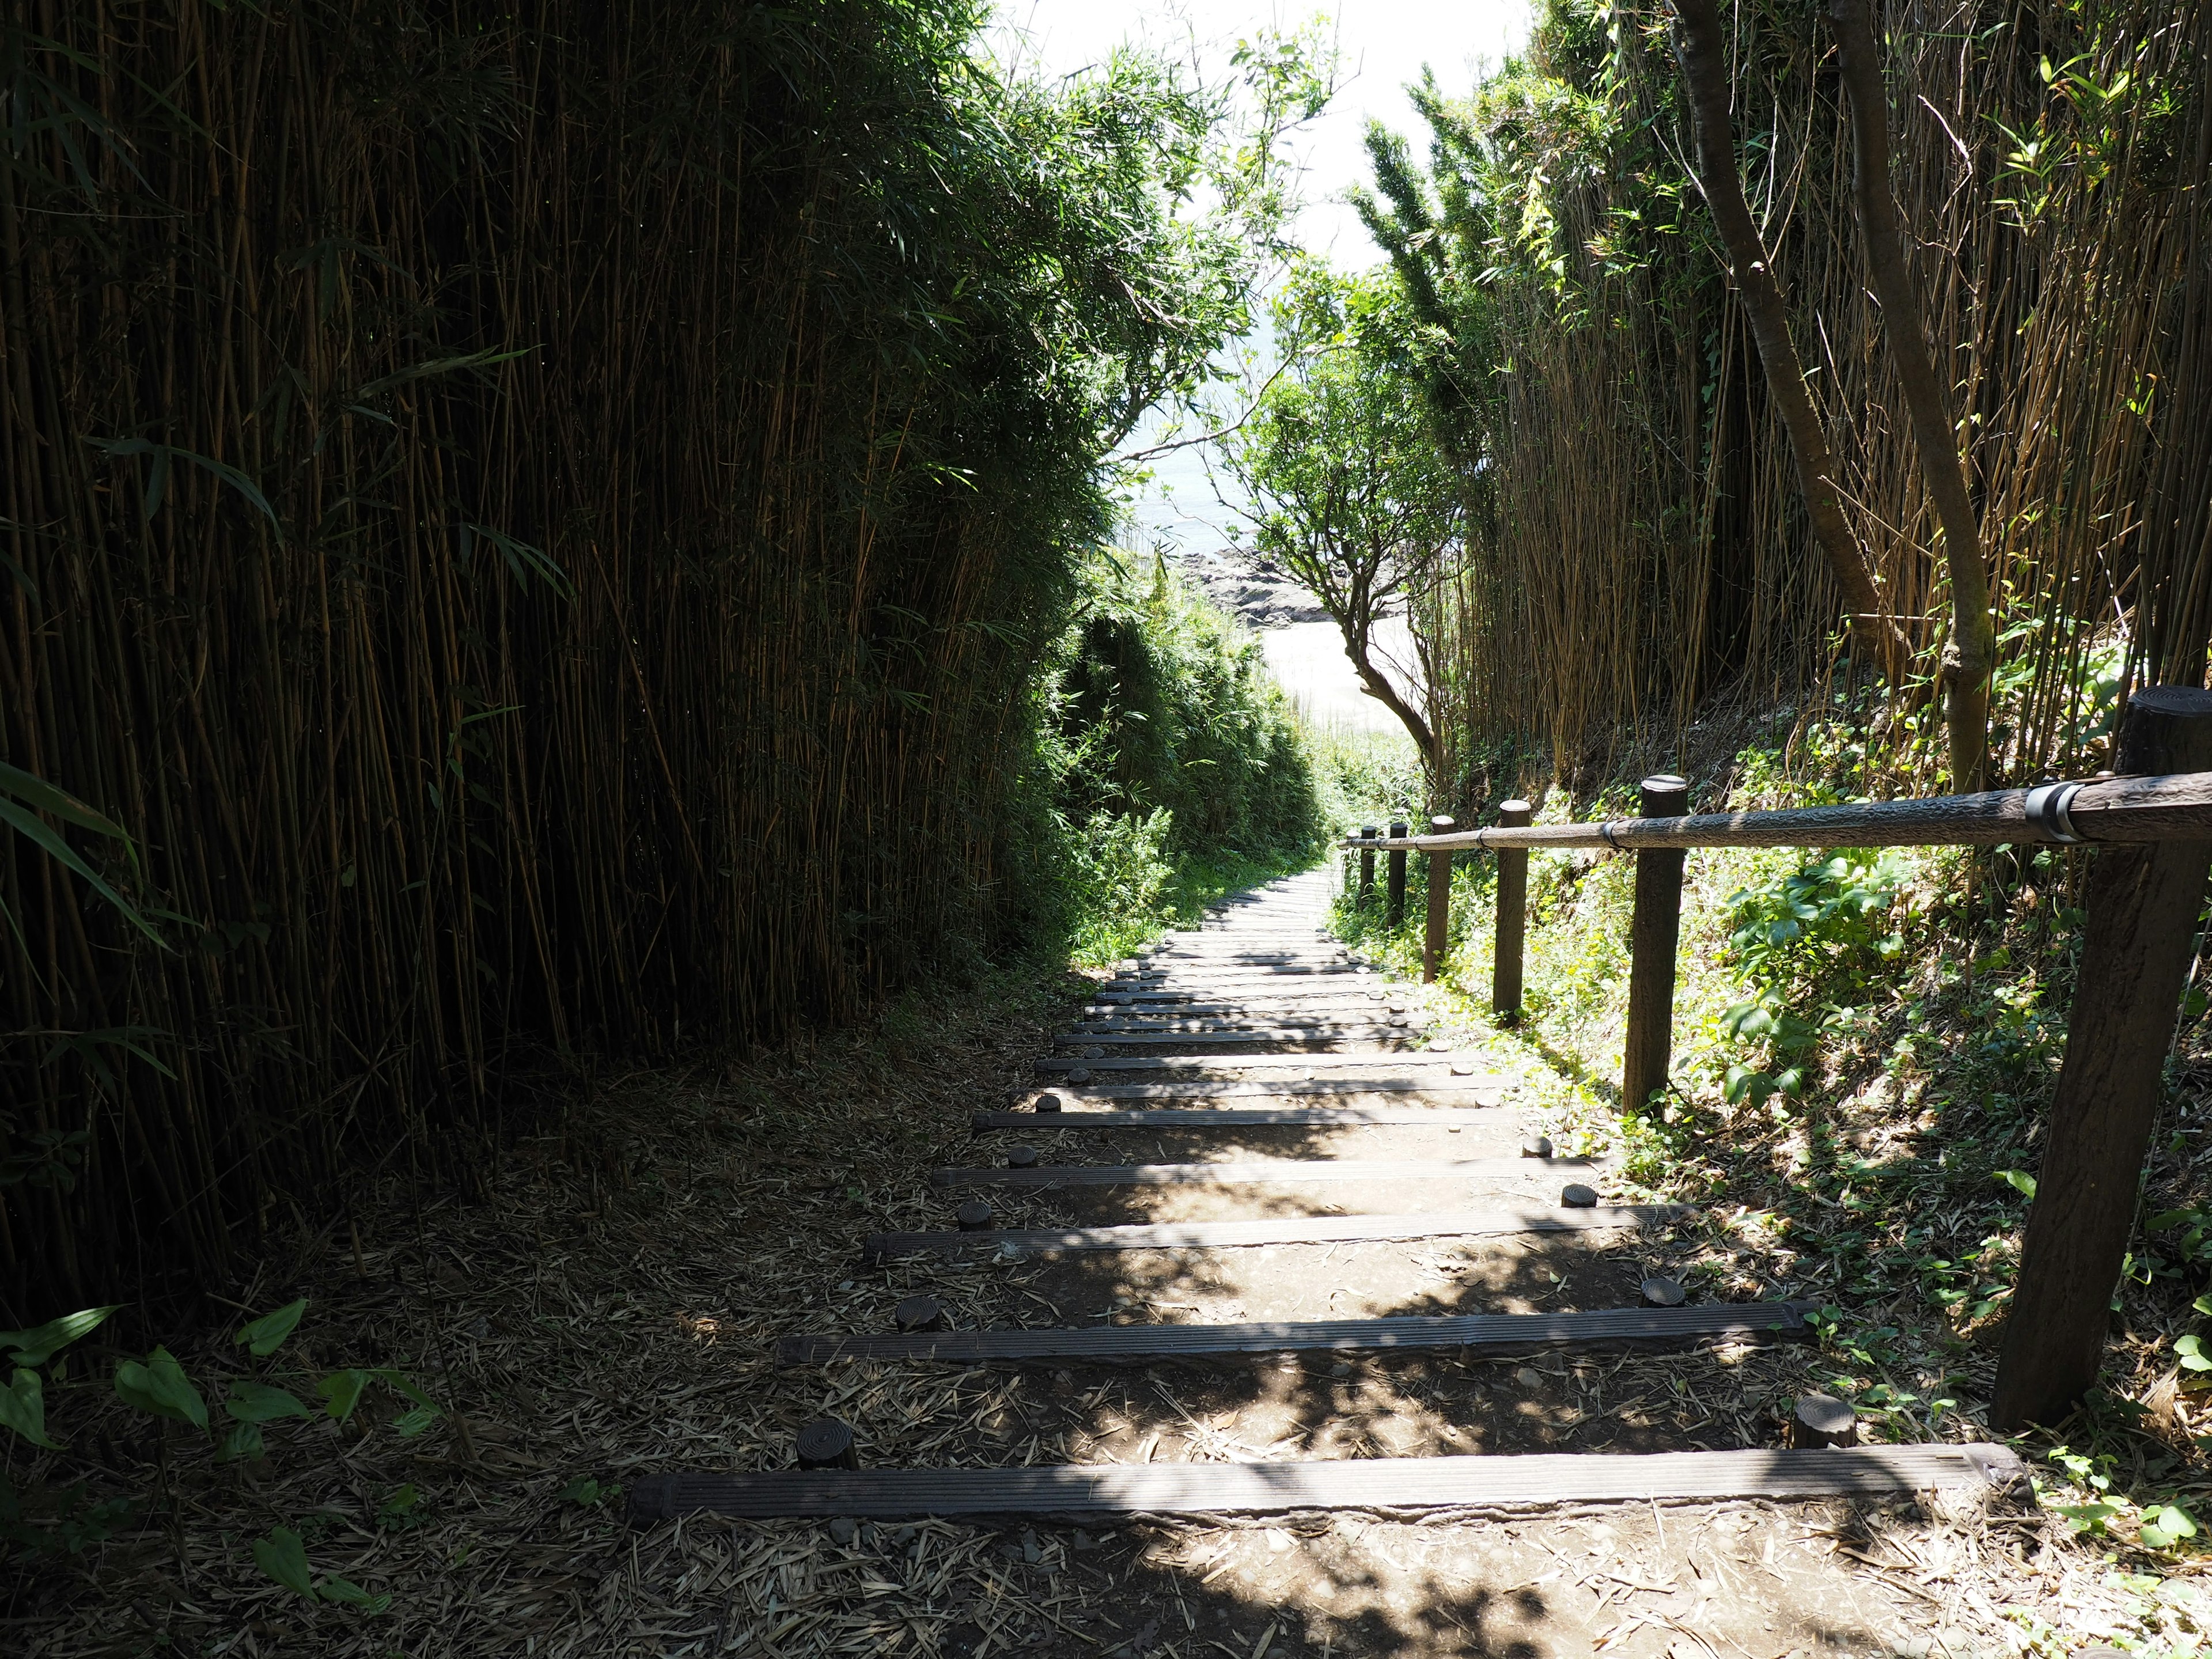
x,y
35,1347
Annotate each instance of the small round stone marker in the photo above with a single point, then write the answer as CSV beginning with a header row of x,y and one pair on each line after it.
x,y
1661,1292
919,1313
1021,1157
1048,1102
1821,1419
826,1444
1079,1074
1579,1197
844,1529
974,1216
1094,1051
1536,1146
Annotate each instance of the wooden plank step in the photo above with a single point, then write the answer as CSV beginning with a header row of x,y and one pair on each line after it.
x,y
1231,1117
1340,970
1475,1336
1189,1004
1393,1486
1373,1016
1220,1089
1278,1172
1310,1037
1281,1230
1385,1060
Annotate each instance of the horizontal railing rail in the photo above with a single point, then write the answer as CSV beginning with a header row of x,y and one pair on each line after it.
x,y
2143,900
2107,809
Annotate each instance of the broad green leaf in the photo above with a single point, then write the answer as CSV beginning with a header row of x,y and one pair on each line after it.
x,y
2191,1350
284,1558
258,1402
410,1423
267,1333
2163,1524
353,1595
244,1440
160,1386
37,1346
341,1392
2018,1180
23,1409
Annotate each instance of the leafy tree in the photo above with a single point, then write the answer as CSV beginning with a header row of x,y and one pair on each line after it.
x,y
1349,491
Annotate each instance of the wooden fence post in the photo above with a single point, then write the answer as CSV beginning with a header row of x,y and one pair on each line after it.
x,y
1512,917
2143,902
1439,935
1395,911
1367,832
1652,937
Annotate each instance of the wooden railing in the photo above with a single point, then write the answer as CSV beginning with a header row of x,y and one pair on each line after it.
x,y
2153,814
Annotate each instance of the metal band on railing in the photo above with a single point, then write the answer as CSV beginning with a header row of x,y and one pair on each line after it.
x,y
2046,812
2158,807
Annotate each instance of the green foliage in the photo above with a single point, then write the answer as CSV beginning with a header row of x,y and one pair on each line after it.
x,y
1351,492
1366,778
264,1336
159,1387
1827,921
35,1347
1820,932
283,1556
1164,745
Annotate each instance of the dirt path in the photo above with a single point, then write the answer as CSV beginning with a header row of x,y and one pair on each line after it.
x,y
606,1311
1631,1579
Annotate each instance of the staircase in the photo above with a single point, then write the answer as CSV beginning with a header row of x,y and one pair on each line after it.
x,y
1250,1111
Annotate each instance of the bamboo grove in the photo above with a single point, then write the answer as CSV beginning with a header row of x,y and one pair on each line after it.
x,y
1636,544
535,529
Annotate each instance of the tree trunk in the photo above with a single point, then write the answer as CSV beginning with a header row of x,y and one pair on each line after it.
x,y
1379,687
1972,655
1703,54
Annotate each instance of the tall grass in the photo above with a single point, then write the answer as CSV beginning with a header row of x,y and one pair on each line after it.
x,y
538,524
1639,546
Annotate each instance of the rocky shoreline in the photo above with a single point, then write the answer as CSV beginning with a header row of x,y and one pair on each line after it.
x,y
1257,591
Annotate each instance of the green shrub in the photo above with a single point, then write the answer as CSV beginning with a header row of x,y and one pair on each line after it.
x,y
1170,766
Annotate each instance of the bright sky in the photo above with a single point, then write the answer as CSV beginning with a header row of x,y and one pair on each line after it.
x,y
1384,44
